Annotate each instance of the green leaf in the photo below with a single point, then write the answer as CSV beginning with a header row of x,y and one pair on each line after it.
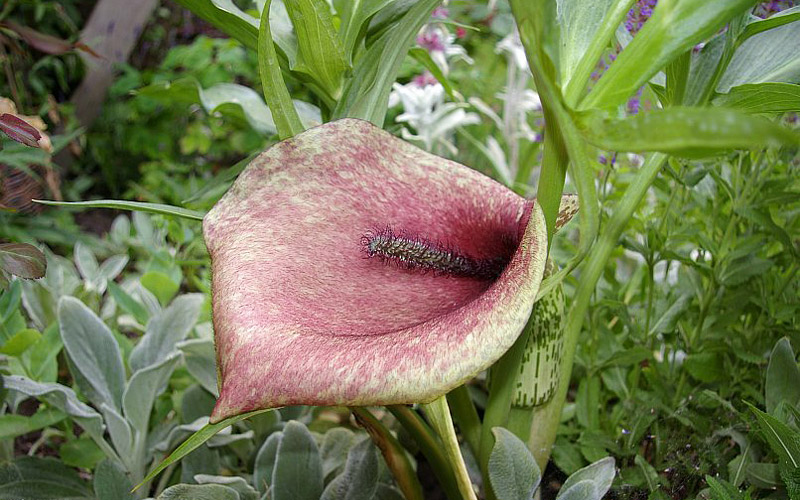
x,y
199,492
20,342
360,477
195,440
228,99
128,303
153,208
298,468
763,475
757,25
36,477
320,53
589,483
91,347
705,366
513,472
201,361
783,377
674,28
586,30
225,15
60,397
784,441
367,92
111,482
265,462
770,56
685,131
160,285
41,358
762,98
237,484
275,92
12,425
354,15
723,489
142,389
23,260
81,452
165,330
335,446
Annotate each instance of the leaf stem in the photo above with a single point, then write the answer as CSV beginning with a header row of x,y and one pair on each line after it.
x,y
466,417
438,413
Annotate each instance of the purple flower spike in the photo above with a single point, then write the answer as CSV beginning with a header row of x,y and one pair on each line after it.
x,y
352,268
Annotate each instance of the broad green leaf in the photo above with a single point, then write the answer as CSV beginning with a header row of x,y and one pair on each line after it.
x,y
12,425
225,15
320,54
367,92
154,208
592,481
784,441
585,31
236,483
23,260
82,452
762,98
20,342
128,303
335,446
763,475
142,389
783,377
513,472
675,27
165,330
770,56
41,358
60,397
360,477
723,489
93,351
685,131
201,361
354,16
276,94
36,477
195,440
265,462
228,99
111,482
199,492
160,285
10,300
757,25
298,469
705,366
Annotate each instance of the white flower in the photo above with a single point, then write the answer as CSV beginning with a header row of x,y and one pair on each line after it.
x,y
426,113
514,50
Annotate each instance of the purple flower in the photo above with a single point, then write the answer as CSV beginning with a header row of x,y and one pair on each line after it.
x,y
431,41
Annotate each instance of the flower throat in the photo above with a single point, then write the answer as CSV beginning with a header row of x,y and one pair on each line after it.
x,y
416,253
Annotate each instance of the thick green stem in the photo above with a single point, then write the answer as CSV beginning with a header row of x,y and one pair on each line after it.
x,y
393,453
430,446
466,417
545,429
501,389
439,414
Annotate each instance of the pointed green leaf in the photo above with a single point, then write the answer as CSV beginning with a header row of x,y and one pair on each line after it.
x,y
142,389
111,482
154,208
675,27
93,351
783,377
757,25
685,131
12,425
762,98
298,468
165,330
199,492
195,440
784,441
360,477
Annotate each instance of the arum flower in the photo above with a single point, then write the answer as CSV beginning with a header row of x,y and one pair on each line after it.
x,y
352,268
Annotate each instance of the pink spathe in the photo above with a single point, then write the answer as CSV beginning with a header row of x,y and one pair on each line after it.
x,y
303,316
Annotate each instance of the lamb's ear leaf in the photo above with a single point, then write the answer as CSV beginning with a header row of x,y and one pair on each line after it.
x,y
194,441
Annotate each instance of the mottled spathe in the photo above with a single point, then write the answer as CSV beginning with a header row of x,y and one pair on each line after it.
x,y
302,317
